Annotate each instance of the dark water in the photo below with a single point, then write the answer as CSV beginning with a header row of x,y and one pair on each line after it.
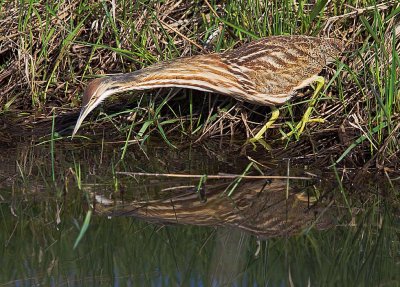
x,y
169,231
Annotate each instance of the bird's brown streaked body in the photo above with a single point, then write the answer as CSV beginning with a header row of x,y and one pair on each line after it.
x,y
266,72
260,208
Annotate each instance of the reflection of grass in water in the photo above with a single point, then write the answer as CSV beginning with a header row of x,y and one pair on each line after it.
x,y
121,246
126,249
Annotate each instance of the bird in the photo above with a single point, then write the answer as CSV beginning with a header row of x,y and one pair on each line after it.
x,y
263,208
266,72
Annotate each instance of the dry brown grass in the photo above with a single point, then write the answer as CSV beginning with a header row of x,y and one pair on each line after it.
x,y
49,51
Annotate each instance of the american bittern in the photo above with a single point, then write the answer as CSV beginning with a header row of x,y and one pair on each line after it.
x,y
265,210
266,72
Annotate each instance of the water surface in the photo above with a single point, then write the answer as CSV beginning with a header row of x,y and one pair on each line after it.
x,y
161,231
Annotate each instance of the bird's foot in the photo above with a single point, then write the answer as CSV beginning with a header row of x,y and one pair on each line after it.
x,y
261,141
261,132
258,138
298,130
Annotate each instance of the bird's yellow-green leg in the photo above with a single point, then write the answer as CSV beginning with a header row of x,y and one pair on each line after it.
x,y
306,117
274,116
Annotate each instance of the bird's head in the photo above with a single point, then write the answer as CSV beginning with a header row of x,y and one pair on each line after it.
x,y
332,49
95,93
100,89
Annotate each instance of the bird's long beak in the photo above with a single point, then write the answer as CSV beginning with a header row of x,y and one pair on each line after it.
x,y
82,116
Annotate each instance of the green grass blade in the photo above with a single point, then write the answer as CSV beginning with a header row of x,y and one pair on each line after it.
x,y
84,228
358,141
53,175
318,7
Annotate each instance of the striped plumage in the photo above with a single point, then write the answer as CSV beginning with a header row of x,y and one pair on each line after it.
x,y
266,72
257,207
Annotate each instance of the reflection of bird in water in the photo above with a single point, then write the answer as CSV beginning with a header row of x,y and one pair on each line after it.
x,y
267,72
257,207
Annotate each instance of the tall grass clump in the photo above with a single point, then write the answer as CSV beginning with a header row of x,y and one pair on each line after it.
x,y
49,51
